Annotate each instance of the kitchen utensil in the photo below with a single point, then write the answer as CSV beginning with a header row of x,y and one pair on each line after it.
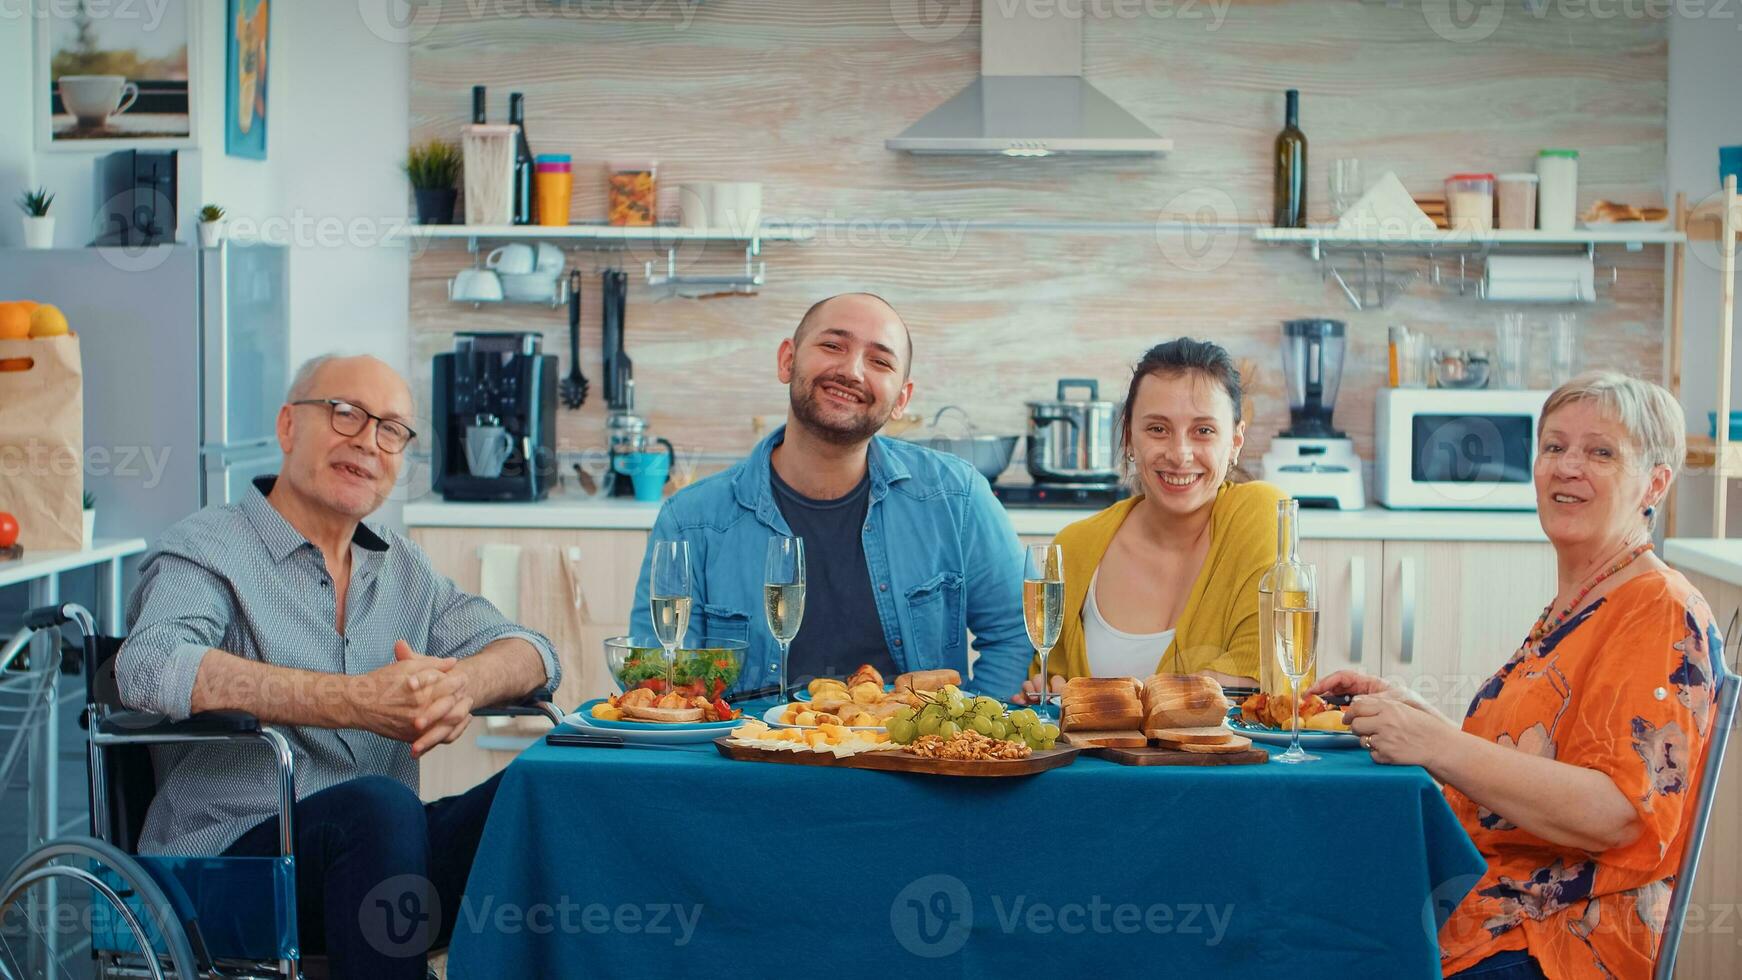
x,y
618,367
574,387
988,454
489,174
1512,351
694,201
548,259
736,207
1517,201
1563,348
515,259
487,448
1557,191
532,287
1074,440
1470,202
1408,352
1311,460
1457,368
1346,186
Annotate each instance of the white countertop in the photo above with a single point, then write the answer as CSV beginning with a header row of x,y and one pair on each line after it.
x,y
39,564
1373,524
1719,558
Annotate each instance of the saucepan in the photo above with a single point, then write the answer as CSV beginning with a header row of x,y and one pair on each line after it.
x,y
988,454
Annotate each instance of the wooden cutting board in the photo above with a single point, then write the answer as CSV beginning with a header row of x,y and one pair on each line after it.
x,y
1089,741
898,761
1174,757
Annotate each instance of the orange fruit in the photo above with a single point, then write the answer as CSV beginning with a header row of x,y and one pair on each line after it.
x,y
47,321
14,321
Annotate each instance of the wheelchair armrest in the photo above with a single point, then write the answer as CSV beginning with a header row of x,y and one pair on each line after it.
x,y
206,724
533,709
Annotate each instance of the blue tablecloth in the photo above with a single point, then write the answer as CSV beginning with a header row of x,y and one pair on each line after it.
x,y
678,862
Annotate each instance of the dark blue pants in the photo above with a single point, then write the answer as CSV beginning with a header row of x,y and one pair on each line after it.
x,y
1513,964
379,873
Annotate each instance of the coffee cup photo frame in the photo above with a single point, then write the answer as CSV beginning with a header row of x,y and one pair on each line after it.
x,y
116,76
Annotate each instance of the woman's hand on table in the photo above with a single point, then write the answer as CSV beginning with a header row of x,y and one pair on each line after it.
x,y
1353,683
1030,693
1399,732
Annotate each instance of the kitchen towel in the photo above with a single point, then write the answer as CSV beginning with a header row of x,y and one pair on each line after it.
x,y
1539,279
1386,211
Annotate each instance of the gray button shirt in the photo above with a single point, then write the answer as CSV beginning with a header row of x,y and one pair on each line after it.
x,y
239,578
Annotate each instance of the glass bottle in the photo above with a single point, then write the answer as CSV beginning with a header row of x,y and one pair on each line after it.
x,y
1288,571
1291,168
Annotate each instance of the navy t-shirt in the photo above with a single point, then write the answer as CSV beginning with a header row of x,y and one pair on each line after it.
x,y
840,629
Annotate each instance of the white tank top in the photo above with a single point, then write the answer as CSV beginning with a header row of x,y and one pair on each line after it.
x,y
1116,653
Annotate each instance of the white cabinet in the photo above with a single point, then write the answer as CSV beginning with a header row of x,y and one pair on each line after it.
x,y
1349,602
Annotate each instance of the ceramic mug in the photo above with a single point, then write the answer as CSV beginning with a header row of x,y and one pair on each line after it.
x,y
514,260
550,259
477,286
92,99
487,449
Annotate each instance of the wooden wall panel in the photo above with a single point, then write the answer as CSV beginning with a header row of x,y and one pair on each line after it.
x,y
801,96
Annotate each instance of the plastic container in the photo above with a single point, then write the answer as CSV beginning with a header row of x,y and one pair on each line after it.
x,y
1470,202
633,195
553,184
1557,194
1515,196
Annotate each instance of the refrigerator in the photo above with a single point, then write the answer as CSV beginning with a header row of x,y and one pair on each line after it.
x,y
185,353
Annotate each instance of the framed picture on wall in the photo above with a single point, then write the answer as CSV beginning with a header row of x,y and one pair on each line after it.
x,y
247,39
116,75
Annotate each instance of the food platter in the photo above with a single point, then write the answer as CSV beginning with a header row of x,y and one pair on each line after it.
x,y
773,716
1309,739
896,760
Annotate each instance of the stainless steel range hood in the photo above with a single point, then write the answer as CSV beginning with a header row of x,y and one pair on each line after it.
x,y
1031,99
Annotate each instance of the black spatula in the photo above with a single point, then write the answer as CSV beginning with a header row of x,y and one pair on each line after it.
x,y
574,387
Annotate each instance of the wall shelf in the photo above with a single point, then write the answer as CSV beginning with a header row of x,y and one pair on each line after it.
x,y
602,236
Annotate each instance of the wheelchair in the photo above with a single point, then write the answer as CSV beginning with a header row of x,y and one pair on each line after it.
x,y
186,918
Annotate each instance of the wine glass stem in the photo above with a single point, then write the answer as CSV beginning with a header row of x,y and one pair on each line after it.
x,y
1294,741
1045,682
783,645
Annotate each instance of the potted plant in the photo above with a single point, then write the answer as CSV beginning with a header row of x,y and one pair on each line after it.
x,y
211,226
434,169
38,224
90,518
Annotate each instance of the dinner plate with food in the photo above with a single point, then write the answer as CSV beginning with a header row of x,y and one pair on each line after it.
x,y
1268,718
666,702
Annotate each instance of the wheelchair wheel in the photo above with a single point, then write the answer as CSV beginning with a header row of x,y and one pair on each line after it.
x,y
78,907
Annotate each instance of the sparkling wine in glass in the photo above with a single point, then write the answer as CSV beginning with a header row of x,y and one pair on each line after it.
x,y
669,597
1295,624
1043,607
783,595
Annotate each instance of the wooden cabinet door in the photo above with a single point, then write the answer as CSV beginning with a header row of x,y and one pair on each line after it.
x,y
1349,608
1454,611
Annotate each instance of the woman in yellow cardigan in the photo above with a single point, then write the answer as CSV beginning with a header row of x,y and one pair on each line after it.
x,y
1167,581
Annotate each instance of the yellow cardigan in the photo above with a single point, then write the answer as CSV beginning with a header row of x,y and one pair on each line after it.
x,y
1219,628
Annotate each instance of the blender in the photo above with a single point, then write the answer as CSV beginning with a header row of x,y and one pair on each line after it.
x,y
1310,460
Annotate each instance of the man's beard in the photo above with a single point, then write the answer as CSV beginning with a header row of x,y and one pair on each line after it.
x,y
833,426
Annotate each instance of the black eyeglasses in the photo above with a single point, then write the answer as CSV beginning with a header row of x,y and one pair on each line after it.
x,y
391,435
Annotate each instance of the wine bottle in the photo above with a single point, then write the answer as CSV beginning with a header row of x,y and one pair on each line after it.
x,y
1291,168
477,105
523,168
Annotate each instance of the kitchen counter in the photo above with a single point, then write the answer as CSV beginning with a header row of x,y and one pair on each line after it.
x,y
573,511
1719,558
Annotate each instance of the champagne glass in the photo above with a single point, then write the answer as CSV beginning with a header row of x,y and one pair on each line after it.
x,y
1346,187
1043,607
669,595
783,595
1295,622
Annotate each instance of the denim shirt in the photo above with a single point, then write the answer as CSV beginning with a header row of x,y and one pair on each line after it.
x,y
942,555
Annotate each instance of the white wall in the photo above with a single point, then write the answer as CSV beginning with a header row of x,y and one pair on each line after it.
x,y
1705,66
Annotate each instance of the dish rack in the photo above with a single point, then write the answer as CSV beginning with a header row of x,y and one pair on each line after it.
x,y
754,276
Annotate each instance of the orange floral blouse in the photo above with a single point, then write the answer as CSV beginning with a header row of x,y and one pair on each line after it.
x,y
1626,688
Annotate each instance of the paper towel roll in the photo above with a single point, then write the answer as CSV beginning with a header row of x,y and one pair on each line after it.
x,y
1539,279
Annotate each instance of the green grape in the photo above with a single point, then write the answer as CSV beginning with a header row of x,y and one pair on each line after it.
x,y
928,724
988,707
1000,729
957,709
983,725
905,715
1049,732
948,730
1024,717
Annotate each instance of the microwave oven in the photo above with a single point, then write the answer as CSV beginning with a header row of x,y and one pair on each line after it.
x,y
1456,449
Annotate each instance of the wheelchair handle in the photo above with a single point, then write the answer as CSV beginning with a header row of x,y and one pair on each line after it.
x,y
48,617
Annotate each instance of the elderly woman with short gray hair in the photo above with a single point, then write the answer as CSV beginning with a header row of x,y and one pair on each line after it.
x,y
1574,769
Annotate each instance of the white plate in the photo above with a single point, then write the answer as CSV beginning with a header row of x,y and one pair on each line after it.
x,y
772,717
650,736
1308,739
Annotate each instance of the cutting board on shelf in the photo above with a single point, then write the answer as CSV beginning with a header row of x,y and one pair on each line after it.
x,y
898,761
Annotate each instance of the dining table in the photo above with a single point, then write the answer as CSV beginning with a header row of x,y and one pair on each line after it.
x,y
645,861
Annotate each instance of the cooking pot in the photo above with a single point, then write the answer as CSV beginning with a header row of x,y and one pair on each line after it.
x,y
1074,440
988,454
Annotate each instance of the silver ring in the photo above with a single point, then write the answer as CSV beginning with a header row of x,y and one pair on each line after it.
x,y
1367,742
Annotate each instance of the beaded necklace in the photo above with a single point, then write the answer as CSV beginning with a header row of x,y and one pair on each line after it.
x,y
1543,627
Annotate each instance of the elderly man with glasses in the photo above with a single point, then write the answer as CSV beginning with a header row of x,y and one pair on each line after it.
x,y
286,605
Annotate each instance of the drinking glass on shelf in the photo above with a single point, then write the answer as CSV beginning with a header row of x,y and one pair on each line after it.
x,y
1512,351
1295,623
1563,348
783,595
669,597
1043,608
1346,186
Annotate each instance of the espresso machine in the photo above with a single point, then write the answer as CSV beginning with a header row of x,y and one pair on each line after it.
x,y
1310,460
495,406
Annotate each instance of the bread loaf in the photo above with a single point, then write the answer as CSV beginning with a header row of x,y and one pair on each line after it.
x,y
1101,704
927,680
1182,701
1179,738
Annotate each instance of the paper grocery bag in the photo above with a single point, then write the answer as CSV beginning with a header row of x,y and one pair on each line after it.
x,y
42,441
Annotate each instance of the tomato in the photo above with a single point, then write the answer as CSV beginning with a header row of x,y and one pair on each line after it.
x,y
8,530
